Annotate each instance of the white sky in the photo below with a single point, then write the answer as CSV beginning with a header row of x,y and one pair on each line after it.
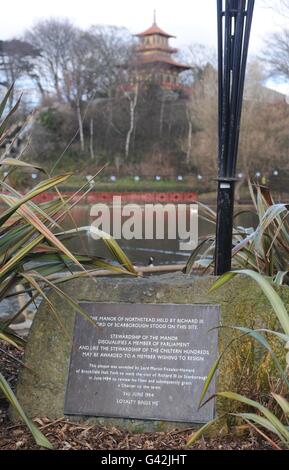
x,y
190,20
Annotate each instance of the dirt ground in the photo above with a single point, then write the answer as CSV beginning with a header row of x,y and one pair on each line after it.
x,y
65,435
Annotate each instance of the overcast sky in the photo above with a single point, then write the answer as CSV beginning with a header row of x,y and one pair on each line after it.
x,y
190,20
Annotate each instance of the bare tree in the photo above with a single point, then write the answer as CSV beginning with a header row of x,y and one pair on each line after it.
x,y
190,135
132,98
92,69
198,57
16,62
276,54
113,47
79,77
279,6
78,66
91,140
201,142
54,38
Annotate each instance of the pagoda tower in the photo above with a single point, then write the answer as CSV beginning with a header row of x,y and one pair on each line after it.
x,y
153,61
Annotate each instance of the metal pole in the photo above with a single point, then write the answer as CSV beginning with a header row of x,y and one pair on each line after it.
x,y
234,27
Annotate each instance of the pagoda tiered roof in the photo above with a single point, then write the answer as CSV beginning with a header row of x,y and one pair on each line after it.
x,y
156,52
146,48
154,29
160,59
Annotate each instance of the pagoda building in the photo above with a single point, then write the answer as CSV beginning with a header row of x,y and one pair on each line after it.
x,y
153,61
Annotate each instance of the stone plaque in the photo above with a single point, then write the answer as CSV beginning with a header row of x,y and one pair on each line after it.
x,y
145,361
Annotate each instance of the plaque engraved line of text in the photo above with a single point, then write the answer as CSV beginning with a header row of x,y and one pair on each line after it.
x,y
146,361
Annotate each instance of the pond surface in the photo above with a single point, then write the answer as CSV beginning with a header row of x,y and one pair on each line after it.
x,y
164,251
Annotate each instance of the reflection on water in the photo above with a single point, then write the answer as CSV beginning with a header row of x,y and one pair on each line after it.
x,y
140,251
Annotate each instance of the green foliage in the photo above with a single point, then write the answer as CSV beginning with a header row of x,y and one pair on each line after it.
x,y
50,119
38,436
32,249
264,249
263,419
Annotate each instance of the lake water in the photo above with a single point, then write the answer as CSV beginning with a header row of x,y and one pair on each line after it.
x,y
164,251
140,251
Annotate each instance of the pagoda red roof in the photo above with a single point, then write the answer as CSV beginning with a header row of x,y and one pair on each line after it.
x,y
154,29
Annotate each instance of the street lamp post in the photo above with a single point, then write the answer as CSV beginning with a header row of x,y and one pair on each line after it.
x,y
234,28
